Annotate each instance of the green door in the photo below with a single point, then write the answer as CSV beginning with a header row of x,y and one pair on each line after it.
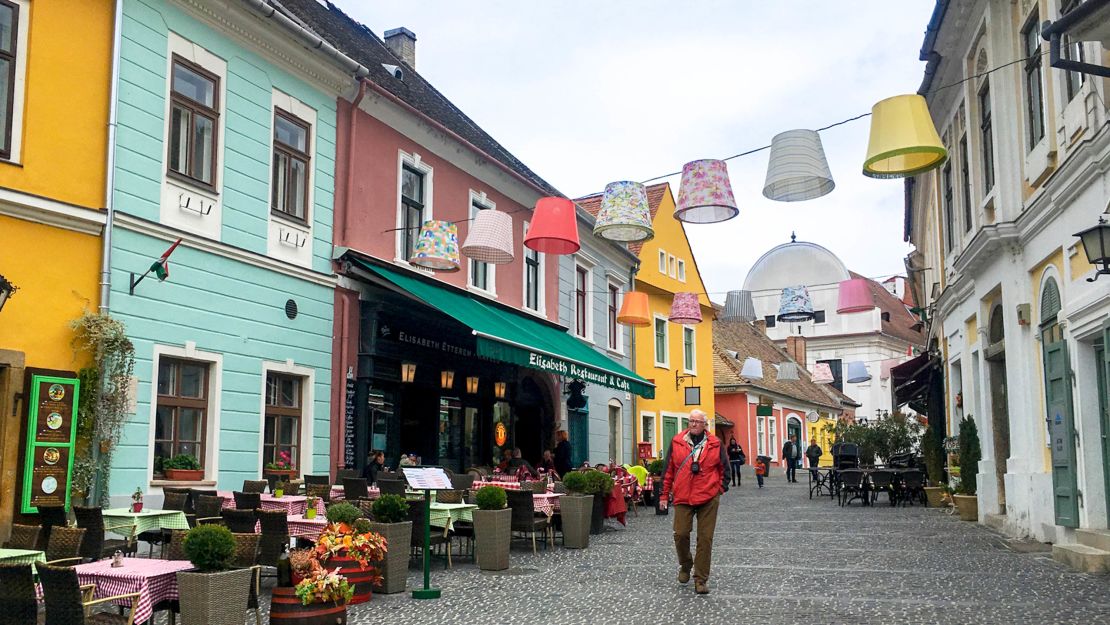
x,y
1061,426
578,434
1102,355
670,429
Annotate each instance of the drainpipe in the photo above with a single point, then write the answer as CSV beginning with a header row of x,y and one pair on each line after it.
x,y
110,173
636,424
349,187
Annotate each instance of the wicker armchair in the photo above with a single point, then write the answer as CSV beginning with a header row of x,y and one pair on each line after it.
x,y
247,501
246,549
69,603
343,474
320,491
240,521
254,486
24,537
49,517
355,488
209,508
525,517
449,496
317,480
275,536
174,548
416,515
391,487
65,545
17,594
95,546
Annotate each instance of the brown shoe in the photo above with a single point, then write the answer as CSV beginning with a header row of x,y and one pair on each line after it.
x,y
683,575
701,588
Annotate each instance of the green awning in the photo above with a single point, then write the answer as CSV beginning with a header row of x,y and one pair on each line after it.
x,y
514,338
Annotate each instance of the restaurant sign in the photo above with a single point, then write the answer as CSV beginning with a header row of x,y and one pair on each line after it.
x,y
564,367
51,436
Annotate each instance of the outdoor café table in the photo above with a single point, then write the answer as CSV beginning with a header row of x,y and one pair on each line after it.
x,y
506,485
21,556
300,527
821,481
547,503
445,514
145,521
291,504
154,580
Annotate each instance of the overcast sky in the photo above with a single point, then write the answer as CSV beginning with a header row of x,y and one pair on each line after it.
x,y
588,92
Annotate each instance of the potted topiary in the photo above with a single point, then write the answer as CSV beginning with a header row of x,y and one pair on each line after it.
x,y
310,507
348,544
967,502
934,468
576,509
600,485
215,594
279,489
183,468
493,524
391,520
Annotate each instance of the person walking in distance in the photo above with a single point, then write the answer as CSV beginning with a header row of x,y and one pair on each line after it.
x,y
790,456
695,476
562,453
735,459
813,454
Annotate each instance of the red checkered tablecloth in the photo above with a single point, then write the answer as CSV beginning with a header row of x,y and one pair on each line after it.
x,y
307,528
506,485
154,580
547,504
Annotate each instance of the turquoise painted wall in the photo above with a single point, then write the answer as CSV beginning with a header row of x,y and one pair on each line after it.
x,y
224,305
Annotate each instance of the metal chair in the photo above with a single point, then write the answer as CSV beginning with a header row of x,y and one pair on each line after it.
x,y
24,537
240,521
254,486
173,500
883,481
247,501
95,546
17,594
913,487
851,483
65,545
416,515
355,488
526,519
69,603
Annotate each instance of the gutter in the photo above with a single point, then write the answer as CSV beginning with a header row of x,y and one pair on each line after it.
x,y
309,38
928,54
110,172
1053,32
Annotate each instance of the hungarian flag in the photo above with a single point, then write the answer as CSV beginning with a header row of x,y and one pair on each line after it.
x,y
161,267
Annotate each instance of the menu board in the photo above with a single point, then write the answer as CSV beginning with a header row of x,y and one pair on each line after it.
x,y
427,478
349,425
51,434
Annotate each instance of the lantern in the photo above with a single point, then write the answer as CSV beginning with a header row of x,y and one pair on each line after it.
x,y
1096,243
685,309
634,310
408,372
739,307
705,194
797,169
472,384
499,390
857,372
554,227
446,379
752,369
822,373
624,214
904,141
795,304
490,239
6,291
438,246
787,371
854,296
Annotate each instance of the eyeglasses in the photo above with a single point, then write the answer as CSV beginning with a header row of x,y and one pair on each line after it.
x,y
693,422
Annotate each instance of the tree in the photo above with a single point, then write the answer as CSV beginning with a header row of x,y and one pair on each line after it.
x,y
970,455
933,450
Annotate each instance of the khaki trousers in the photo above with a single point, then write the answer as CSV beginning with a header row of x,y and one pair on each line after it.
x,y
683,524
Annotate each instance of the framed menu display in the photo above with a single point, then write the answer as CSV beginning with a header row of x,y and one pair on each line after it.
x,y
427,478
51,434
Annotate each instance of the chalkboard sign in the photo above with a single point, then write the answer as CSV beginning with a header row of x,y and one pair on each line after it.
x,y
51,433
349,425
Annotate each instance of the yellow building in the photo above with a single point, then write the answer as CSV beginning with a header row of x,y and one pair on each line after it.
x,y
678,358
52,188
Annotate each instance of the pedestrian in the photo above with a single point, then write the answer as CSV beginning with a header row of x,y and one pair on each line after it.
x,y
562,453
791,454
735,459
761,465
695,476
813,453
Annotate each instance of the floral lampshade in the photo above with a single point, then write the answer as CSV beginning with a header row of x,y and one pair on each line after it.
x,y
857,372
705,194
739,307
795,304
634,310
438,246
554,227
490,239
904,142
624,215
854,296
685,309
822,373
752,369
787,371
797,169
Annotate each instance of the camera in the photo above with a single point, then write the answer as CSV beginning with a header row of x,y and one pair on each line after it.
x,y
695,467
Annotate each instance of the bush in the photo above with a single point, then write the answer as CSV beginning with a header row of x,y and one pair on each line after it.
x,y
182,461
598,483
575,481
390,509
970,455
343,512
362,525
934,455
490,498
210,547
656,467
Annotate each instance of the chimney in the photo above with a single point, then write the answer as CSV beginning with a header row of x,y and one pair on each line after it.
x,y
761,326
796,349
402,42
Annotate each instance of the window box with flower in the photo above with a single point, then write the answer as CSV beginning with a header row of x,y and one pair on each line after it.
x,y
282,467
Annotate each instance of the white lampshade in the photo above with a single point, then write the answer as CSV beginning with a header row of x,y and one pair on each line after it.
x,y
490,238
857,372
797,169
822,373
787,371
752,369
739,307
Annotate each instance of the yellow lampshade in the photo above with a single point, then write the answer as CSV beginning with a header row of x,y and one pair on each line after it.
x,y
634,310
904,141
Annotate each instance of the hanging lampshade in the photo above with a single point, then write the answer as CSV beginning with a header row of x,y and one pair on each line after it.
x,y
438,246
787,371
854,296
624,214
797,169
490,239
752,369
857,372
685,309
795,305
822,373
904,141
705,194
739,307
887,365
554,227
634,310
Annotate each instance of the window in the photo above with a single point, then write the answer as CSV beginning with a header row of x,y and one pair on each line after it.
x,y
760,428
818,316
661,359
772,442
837,373
965,180
182,410
1034,98
647,430
533,277
662,262
770,321
9,26
688,355
194,110
681,270
614,329
986,136
949,218
282,431
1073,51
289,188
671,266
581,294
412,209
482,275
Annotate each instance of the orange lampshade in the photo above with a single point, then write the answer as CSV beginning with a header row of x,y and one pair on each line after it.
x,y
554,227
634,310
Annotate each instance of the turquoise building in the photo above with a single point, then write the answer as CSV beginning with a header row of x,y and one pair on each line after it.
x,y
226,140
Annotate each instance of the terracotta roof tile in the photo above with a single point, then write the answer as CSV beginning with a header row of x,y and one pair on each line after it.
x,y
901,320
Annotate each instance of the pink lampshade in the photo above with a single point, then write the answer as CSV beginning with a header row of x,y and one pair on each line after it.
x,y
822,373
855,296
685,309
490,239
705,193
887,365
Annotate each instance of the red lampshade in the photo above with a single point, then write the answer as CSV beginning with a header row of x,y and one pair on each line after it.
x,y
855,296
554,227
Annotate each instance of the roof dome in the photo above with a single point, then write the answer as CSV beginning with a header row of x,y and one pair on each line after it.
x,y
794,263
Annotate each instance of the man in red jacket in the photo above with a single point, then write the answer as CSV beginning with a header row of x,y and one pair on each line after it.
x,y
696,475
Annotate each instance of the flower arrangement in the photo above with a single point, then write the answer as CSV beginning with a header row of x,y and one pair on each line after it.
x,y
137,496
303,563
283,463
363,547
322,586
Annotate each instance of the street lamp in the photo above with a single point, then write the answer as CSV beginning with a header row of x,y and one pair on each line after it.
x,y
447,379
7,289
1096,242
408,372
472,384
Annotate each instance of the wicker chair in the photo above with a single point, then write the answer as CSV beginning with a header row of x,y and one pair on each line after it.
x,y
246,549
416,515
462,481
65,545
209,508
275,536
240,521
24,537
292,488
68,603
17,594
526,519
317,480
95,546
391,487
320,491
174,548
49,517
449,496
342,474
254,486
247,501
355,488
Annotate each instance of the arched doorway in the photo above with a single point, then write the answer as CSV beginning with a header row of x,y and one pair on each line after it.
x,y
1000,412
1061,419
533,420
794,428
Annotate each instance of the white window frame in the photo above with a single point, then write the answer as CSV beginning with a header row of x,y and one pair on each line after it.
x,y
693,370
308,415
772,438
671,271
681,270
19,82
760,435
478,198
647,431
415,162
540,299
288,239
619,349
580,264
215,362
662,262
665,363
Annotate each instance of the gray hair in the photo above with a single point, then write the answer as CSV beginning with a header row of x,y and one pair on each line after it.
x,y
699,413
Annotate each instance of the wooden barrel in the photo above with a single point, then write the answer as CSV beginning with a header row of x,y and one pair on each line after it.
x,y
286,608
361,578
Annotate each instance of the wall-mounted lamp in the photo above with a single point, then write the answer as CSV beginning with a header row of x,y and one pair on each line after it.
x,y
6,291
472,384
408,372
1096,243
447,379
499,390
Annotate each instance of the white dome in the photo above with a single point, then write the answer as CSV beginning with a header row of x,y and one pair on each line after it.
x,y
794,263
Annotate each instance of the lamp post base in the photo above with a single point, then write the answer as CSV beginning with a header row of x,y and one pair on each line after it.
x,y
425,593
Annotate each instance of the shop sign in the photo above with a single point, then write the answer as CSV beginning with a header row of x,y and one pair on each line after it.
x,y
422,340
51,435
500,434
349,422
589,375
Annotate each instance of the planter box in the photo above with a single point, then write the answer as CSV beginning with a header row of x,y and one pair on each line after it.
x,y
492,533
968,505
395,568
934,496
286,609
214,598
285,473
184,475
577,511
597,517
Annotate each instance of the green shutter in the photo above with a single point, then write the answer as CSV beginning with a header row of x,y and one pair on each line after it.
x,y
1061,427
670,429
1050,300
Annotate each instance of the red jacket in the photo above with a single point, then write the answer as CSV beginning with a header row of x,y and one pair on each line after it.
x,y
710,481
